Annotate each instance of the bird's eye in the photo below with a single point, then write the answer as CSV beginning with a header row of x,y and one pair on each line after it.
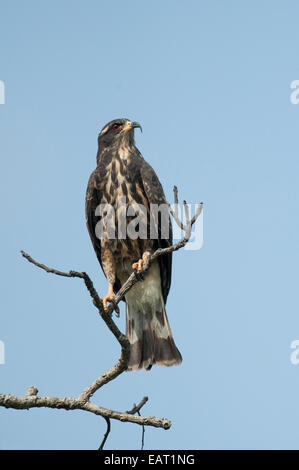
x,y
115,126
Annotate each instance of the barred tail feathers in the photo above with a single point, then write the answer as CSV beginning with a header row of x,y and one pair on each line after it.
x,y
147,327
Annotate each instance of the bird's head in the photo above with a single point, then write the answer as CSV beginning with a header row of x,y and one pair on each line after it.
x,y
117,132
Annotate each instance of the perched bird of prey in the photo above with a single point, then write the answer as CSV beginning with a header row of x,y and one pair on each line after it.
x,y
122,180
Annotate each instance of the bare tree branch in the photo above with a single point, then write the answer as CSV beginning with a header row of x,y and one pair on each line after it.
x,y
134,410
26,402
137,408
31,399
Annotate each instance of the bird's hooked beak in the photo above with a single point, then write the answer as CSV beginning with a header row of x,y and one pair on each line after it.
x,y
136,124
132,125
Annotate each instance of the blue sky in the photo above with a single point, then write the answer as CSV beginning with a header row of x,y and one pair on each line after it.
x,y
210,84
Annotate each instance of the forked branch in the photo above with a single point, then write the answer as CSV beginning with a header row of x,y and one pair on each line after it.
x,y
31,399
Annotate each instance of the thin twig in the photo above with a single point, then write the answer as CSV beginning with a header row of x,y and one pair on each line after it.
x,y
106,434
51,270
138,407
134,410
142,435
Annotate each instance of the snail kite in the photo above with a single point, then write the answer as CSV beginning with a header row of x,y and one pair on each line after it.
x,y
121,181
